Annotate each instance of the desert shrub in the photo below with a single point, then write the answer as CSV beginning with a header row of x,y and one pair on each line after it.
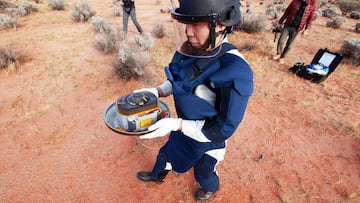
x,y
351,50
107,39
272,13
165,10
347,6
335,22
29,7
248,46
355,15
24,9
106,42
357,27
7,21
5,4
15,12
144,41
57,4
252,24
116,10
132,58
159,31
102,25
10,57
329,12
280,8
82,11
322,3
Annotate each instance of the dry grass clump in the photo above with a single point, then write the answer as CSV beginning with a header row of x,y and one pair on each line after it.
x,y
10,58
133,57
82,11
57,4
351,50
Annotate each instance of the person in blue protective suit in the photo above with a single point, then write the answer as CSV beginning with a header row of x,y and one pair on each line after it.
x,y
211,84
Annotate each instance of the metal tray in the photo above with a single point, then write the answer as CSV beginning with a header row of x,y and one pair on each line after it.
x,y
111,114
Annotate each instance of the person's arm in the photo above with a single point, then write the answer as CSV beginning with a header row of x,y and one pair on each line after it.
x,y
312,16
163,90
286,14
232,110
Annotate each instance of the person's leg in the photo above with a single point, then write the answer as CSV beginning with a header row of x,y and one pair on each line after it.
x,y
292,32
125,21
283,36
159,172
136,23
206,176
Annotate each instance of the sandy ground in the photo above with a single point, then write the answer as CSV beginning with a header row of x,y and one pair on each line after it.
x,y
299,141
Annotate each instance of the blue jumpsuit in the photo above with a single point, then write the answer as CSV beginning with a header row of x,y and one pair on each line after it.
x,y
231,79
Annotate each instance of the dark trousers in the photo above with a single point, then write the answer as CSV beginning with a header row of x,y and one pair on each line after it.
x,y
183,153
132,14
288,34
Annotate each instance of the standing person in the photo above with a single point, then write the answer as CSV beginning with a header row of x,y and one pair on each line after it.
x,y
129,9
211,84
298,17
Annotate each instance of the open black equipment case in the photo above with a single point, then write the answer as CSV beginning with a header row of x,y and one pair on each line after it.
x,y
323,57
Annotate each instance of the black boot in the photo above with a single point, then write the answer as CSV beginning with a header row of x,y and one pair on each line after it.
x,y
203,194
146,176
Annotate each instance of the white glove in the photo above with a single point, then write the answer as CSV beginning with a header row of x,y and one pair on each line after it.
x,y
163,127
152,90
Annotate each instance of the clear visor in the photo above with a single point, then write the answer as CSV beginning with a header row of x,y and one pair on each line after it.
x,y
182,42
184,46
